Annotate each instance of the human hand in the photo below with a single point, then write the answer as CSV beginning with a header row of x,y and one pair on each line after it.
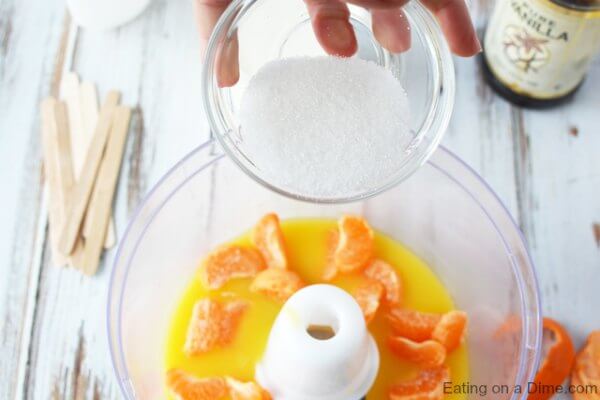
x,y
330,21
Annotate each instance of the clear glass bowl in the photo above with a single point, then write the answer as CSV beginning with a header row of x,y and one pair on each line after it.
x,y
444,213
265,30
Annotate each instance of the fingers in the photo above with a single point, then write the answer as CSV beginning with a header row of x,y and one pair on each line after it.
x,y
378,4
392,29
456,23
207,14
335,33
330,21
227,64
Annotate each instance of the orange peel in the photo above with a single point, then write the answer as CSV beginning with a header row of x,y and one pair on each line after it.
x,y
228,262
187,387
384,273
268,238
213,324
556,365
277,284
427,354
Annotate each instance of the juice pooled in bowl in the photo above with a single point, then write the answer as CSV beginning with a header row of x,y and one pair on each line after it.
x,y
221,326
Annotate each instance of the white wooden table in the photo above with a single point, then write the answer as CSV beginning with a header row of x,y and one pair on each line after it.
x,y
544,165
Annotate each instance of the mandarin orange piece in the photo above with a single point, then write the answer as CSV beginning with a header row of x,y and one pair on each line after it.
x,y
427,385
385,274
451,329
278,284
268,238
586,370
556,365
413,325
239,390
230,261
588,389
367,296
587,361
213,324
575,381
233,312
330,270
355,246
427,354
187,387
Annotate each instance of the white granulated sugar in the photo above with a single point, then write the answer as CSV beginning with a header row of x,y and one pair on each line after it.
x,y
325,126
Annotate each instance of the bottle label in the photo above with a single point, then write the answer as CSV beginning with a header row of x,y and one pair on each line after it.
x,y
540,49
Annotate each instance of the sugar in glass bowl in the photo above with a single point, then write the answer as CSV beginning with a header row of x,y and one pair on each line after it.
x,y
266,30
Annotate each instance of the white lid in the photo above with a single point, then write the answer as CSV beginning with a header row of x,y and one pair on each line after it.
x,y
298,366
105,14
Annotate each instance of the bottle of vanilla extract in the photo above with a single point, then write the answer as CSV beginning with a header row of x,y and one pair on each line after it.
x,y
537,52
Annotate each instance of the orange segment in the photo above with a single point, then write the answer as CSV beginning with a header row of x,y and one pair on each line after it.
x,y
427,354
213,324
385,274
278,284
268,238
230,262
427,385
451,329
246,390
355,246
330,270
586,370
187,387
413,325
588,389
367,296
556,365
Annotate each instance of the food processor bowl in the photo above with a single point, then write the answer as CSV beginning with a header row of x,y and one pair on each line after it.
x,y
259,31
444,213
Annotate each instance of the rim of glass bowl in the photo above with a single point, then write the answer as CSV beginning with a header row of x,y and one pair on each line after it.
x,y
449,164
428,138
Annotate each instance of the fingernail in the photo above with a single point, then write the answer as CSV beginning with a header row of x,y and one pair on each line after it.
x,y
339,34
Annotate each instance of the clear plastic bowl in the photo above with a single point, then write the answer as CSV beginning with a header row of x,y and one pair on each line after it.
x,y
264,30
444,213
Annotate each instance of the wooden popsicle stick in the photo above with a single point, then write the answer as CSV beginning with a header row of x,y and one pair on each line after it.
x,y
63,141
89,116
104,190
65,175
69,90
79,198
79,140
89,107
55,211
82,104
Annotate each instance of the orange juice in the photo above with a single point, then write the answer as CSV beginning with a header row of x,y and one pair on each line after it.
x,y
306,246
